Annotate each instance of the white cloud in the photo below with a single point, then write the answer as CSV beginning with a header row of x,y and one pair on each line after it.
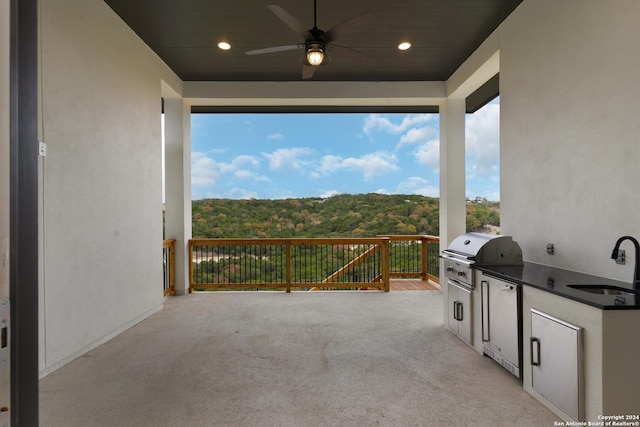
x,y
415,128
276,136
245,160
245,174
373,164
241,193
203,170
377,122
483,142
428,154
237,163
382,191
416,135
417,185
329,193
330,163
288,158
283,193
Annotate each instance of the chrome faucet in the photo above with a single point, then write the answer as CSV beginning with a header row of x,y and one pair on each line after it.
x,y
614,255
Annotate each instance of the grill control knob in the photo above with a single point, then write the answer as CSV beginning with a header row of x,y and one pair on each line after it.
x,y
461,273
449,269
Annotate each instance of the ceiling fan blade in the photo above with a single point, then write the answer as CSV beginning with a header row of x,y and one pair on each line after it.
x,y
307,71
351,24
275,49
289,20
353,55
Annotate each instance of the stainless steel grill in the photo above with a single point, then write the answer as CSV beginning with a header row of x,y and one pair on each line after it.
x,y
500,302
471,249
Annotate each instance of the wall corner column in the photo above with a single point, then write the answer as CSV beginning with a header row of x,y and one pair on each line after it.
x,y
452,170
178,185
452,177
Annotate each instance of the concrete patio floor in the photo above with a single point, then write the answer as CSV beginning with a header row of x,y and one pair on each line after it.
x,y
298,359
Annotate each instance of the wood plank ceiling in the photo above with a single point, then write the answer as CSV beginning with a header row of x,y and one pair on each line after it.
x,y
184,33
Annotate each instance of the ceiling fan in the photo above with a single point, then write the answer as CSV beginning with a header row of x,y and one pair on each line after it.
x,y
318,43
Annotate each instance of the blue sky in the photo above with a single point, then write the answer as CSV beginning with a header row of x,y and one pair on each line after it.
x,y
274,156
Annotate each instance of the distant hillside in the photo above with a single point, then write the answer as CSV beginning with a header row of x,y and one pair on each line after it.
x,y
360,215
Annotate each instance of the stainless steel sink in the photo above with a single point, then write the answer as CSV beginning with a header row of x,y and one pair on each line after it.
x,y
605,290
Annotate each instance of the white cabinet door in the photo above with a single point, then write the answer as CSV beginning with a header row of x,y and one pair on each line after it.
x,y
556,362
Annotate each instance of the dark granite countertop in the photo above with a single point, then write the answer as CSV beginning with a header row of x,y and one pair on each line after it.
x,y
556,281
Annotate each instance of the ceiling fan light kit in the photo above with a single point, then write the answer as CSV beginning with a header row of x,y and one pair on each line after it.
x,y
315,54
318,42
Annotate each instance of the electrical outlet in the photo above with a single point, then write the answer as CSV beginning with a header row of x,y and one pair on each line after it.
x,y
620,259
551,250
42,148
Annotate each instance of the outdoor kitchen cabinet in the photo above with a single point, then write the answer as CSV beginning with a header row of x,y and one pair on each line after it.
x,y
460,313
610,349
555,350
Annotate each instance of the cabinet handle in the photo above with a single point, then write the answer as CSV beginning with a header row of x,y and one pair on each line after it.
x,y
535,341
460,317
455,310
484,295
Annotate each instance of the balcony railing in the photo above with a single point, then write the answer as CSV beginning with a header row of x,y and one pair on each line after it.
x,y
169,266
414,256
336,263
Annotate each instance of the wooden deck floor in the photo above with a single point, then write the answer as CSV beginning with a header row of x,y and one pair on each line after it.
x,y
413,285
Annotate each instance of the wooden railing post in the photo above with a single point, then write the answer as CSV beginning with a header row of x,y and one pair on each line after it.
x,y
172,268
384,262
169,248
288,265
425,258
190,266
432,240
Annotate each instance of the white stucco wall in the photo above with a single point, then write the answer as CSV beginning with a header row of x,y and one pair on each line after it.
x,y
101,179
570,154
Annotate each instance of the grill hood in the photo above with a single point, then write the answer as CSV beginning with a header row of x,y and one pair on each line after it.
x,y
486,249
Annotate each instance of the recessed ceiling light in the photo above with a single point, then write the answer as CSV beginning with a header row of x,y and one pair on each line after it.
x,y
404,45
224,45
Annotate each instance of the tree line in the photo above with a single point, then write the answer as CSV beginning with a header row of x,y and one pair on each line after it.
x,y
344,215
